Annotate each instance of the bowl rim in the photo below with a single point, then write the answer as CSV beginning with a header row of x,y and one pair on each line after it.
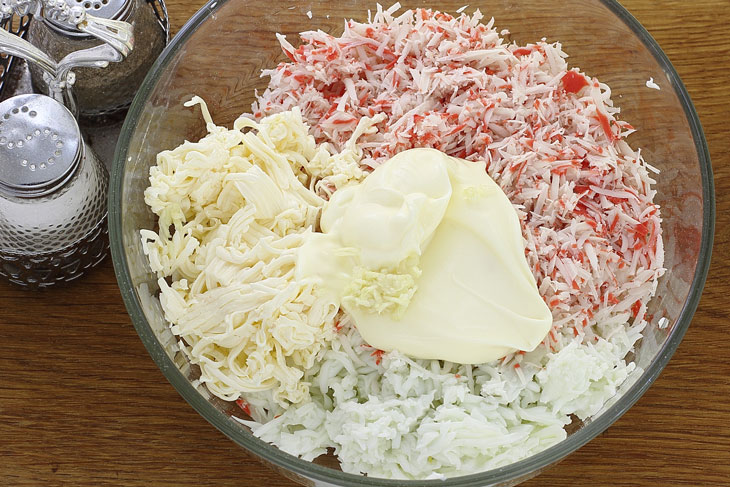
x,y
521,469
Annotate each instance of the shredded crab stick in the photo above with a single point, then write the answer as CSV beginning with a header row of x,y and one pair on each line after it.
x,y
549,136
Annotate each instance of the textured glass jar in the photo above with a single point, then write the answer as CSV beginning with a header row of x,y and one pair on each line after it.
x,y
52,195
102,91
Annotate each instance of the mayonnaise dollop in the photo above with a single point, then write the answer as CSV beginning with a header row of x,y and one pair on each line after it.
x,y
427,257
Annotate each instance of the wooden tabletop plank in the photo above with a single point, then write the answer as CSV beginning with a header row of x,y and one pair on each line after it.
x,y
82,403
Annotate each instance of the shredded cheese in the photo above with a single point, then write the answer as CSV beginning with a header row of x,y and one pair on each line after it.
x,y
233,209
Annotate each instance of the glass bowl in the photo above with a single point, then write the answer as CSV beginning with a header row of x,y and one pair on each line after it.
x,y
219,55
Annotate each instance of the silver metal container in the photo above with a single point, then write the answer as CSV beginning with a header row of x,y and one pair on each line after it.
x,y
52,194
111,89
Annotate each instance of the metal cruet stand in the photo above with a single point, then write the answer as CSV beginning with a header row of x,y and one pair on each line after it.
x,y
52,185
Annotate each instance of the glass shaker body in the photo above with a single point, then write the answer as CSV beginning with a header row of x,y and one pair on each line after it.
x,y
52,232
102,91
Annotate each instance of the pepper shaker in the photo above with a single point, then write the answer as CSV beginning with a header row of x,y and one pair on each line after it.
x,y
52,194
110,90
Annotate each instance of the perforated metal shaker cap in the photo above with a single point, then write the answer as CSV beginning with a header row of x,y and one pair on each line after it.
x,y
105,9
40,145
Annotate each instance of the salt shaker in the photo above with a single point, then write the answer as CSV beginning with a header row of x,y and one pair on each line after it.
x,y
52,194
110,90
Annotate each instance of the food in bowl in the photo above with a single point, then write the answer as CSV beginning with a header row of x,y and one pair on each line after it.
x,y
236,209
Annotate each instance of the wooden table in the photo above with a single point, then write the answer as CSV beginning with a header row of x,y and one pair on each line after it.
x,y
82,403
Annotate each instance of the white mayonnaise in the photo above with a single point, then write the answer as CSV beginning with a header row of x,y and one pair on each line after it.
x,y
427,257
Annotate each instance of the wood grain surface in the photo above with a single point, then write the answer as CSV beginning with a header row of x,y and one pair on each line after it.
x,y
82,403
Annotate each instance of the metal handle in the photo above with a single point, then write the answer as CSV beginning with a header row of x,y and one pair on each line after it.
x,y
15,46
58,86
118,38
118,34
59,77
94,57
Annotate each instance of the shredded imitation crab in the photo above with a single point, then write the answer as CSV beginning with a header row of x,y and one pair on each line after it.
x,y
549,136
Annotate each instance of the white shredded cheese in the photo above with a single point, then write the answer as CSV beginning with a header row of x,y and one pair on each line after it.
x,y
652,84
232,212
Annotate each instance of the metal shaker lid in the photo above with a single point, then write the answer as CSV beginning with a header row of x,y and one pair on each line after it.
x,y
40,145
105,9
